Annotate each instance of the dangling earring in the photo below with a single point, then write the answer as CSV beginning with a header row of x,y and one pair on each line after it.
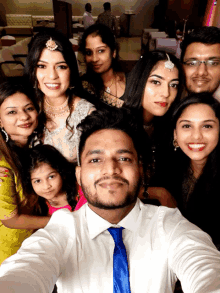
x,y
71,87
5,133
175,144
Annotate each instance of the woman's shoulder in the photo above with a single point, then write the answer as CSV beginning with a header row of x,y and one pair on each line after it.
x,y
82,108
80,103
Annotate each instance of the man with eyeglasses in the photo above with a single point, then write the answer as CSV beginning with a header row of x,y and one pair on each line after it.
x,y
201,60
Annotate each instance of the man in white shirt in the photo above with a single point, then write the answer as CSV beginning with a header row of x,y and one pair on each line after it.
x,y
87,16
201,60
75,250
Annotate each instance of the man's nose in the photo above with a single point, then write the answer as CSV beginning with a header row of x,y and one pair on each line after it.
x,y
111,167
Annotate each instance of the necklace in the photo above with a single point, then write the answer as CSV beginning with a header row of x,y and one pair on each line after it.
x,y
51,114
57,108
107,89
57,111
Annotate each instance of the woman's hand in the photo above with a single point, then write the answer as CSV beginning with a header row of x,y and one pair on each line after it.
x,y
26,222
4,172
162,195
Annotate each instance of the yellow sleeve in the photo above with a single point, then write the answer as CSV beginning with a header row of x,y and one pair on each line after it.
x,y
8,192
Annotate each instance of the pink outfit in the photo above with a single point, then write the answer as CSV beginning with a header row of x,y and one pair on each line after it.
x,y
53,209
82,200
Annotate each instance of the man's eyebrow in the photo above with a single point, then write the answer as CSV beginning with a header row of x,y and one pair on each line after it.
x,y
209,58
98,151
125,151
94,152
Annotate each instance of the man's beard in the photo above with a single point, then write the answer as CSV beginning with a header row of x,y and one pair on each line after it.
x,y
130,198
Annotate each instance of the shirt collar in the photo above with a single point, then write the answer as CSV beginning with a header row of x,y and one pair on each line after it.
x,y
97,225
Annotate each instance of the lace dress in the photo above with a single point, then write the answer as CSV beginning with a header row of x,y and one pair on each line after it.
x,y
62,138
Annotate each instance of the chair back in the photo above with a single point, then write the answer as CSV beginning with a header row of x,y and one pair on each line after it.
x,y
8,41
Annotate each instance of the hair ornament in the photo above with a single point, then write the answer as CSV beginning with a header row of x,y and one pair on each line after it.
x,y
51,45
169,64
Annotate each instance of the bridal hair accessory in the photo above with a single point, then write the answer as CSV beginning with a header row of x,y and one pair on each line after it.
x,y
175,144
51,45
169,64
5,133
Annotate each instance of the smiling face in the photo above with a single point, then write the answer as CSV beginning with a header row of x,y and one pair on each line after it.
x,y
46,181
18,116
197,132
110,172
202,78
160,90
53,74
98,55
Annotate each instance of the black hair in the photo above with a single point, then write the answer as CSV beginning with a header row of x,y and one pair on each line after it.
x,y
199,206
35,48
208,35
119,119
107,6
38,44
14,154
192,99
51,156
107,37
15,85
88,6
138,76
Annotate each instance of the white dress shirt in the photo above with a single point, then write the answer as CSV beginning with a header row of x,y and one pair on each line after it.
x,y
76,251
87,19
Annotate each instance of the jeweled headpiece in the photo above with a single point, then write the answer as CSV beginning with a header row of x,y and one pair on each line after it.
x,y
169,64
51,45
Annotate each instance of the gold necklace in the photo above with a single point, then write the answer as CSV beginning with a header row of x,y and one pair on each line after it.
x,y
51,114
107,89
59,107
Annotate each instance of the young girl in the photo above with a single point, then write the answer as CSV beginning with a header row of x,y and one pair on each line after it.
x,y
52,178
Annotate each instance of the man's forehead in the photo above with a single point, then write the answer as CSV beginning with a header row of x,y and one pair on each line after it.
x,y
109,139
197,50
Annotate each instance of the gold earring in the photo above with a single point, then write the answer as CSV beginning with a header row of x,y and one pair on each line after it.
x,y
175,144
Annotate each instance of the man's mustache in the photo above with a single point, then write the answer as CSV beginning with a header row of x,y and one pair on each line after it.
x,y
114,177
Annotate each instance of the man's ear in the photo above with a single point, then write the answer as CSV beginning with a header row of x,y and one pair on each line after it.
x,y
114,54
78,174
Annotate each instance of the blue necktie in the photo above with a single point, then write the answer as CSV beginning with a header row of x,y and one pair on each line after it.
x,y
120,264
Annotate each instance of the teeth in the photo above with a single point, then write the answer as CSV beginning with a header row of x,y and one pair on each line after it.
x,y
52,84
196,146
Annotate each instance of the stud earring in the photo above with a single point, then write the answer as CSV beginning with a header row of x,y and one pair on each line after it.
x,y
5,133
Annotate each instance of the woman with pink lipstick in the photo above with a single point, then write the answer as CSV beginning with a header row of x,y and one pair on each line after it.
x,y
52,69
194,161
18,122
104,77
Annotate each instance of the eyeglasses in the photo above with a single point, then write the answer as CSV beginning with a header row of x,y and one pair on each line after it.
x,y
196,63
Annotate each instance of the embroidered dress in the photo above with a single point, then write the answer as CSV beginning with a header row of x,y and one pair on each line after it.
x,y
10,239
64,139
105,97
